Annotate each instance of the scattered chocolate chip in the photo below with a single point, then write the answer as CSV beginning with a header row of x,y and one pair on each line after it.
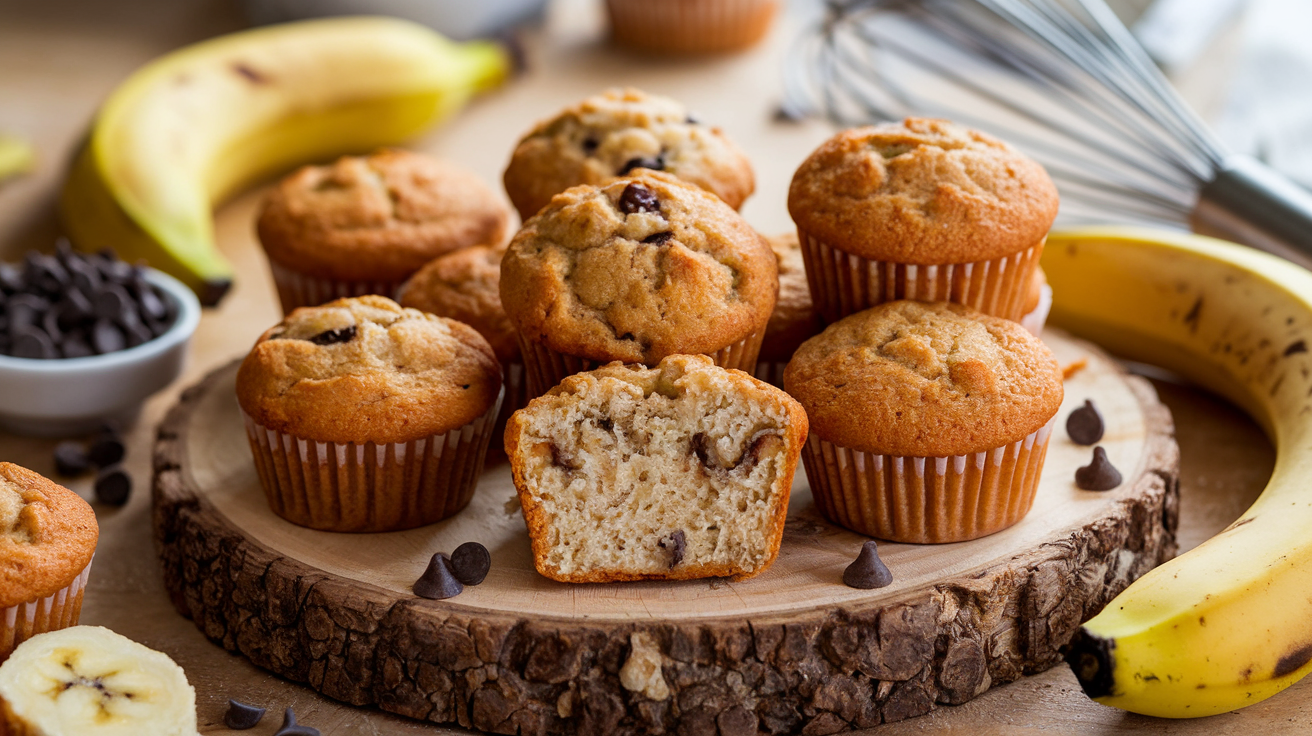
x,y
590,145
638,198
31,343
655,164
470,563
1098,475
106,337
867,571
71,459
675,543
290,727
438,582
241,716
332,337
691,119
658,238
787,112
113,486
1084,425
106,449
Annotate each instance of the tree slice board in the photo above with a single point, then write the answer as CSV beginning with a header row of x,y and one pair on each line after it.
x,y
791,650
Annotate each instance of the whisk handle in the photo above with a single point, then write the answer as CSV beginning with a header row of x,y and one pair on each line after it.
x,y
1251,203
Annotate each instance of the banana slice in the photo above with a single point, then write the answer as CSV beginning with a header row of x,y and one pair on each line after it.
x,y
89,681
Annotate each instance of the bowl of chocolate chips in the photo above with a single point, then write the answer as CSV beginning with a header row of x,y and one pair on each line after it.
x,y
85,338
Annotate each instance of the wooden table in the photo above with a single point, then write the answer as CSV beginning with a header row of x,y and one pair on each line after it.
x,y
59,58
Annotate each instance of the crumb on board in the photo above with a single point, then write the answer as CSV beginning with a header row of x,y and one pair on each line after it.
x,y
1073,367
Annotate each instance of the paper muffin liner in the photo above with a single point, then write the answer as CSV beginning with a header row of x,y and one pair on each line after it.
x,y
299,290
923,500
843,284
771,371
368,487
1037,317
58,610
690,26
544,368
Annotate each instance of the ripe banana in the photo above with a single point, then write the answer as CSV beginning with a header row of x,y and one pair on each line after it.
x,y
1229,623
89,681
192,127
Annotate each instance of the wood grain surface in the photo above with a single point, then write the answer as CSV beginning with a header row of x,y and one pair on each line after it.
x,y
59,58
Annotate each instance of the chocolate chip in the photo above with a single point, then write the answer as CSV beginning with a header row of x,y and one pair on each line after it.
x,y
11,278
638,198
470,563
590,145
867,571
113,486
1084,425
25,310
290,727
438,582
658,238
45,273
675,543
137,333
74,308
106,449
75,345
116,272
241,716
152,306
71,459
332,337
85,276
655,164
106,337
113,302
50,325
1098,475
691,119
31,343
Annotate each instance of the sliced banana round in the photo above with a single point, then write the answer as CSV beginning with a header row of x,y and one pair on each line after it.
x,y
90,681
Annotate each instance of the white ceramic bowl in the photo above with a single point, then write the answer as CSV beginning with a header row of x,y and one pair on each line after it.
x,y
75,395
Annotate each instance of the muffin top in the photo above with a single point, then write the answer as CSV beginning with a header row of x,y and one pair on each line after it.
x,y
924,192
378,217
466,286
367,370
615,132
49,535
794,319
644,267
925,379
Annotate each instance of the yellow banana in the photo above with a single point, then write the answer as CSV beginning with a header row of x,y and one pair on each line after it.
x,y
192,127
1228,623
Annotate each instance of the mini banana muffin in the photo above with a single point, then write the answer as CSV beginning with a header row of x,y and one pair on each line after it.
x,y
1038,303
466,286
46,547
690,26
364,416
922,209
674,472
929,421
614,133
794,319
366,223
641,268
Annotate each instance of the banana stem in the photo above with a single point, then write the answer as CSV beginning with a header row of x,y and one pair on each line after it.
x,y
1091,658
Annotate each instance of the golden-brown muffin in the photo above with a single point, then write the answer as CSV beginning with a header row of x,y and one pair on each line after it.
x,y
898,211
674,472
369,222
615,132
644,267
466,286
965,399
46,547
363,381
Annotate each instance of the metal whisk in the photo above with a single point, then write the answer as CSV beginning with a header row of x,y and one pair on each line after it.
x,y
1063,80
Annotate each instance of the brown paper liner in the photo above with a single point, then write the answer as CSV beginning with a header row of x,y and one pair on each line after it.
x,y
299,290
843,284
59,610
771,371
926,500
365,487
690,26
544,368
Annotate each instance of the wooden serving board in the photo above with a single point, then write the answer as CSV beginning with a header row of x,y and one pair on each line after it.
x,y
791,649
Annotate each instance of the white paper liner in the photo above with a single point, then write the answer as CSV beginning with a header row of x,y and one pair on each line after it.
x,y
690,26
299,290
58,610
926,499
843,284
545,368
365,487
1038,316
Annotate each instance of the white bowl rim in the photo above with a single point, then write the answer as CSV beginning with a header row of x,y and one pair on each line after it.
x,y
184,324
